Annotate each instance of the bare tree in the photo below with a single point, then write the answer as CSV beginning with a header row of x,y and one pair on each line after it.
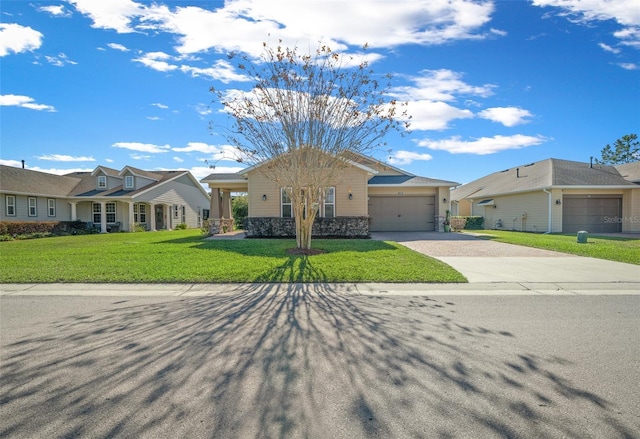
x,y
304,119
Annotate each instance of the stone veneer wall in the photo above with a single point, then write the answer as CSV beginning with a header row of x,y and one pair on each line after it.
x,y
342,226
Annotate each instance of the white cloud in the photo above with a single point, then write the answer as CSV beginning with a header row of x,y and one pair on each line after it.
x,y
25,102
178,159
429,115
199,147
407,157
203,109
65,158
116,46
15,38
499,32
608,48
139,156
237,25
629,66
159,105
507,116
153,118
222,71
56,171
112,14
142,147
215,152
439,85
157,61
483,145
57,11
625,12
60,60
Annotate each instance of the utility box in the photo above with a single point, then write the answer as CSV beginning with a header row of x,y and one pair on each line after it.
x,y
582,237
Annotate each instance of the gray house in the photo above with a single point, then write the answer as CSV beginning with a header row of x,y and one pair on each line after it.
x,y
555,195
110,199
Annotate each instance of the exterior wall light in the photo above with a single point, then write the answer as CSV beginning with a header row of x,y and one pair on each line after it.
x,y
558,202
444,200
264,197
351,196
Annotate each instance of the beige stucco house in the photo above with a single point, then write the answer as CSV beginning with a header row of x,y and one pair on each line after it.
x,y
369,196
555,196
110,199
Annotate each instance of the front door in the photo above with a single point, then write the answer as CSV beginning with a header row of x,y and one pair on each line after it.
x,y
160,218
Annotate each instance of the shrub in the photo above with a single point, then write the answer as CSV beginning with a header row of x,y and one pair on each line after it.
x,y
40,229
182,226
467,222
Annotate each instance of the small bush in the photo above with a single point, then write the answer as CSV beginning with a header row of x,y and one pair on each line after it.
x,y
40,229
467,222
182,226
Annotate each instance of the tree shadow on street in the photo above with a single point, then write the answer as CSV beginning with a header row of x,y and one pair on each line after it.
x,y
290,360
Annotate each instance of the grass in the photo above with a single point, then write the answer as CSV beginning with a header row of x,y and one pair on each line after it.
x,y
183,256
601,247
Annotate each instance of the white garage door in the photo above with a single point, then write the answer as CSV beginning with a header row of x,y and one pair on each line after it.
x,y
402,214
594,214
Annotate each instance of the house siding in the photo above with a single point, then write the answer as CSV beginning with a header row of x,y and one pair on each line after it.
x,y
354,181
182,193
63,209
631,211
509,211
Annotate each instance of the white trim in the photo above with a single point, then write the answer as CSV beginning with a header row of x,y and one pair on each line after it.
x,y
128,178
49,207
7,205
99,180
29,206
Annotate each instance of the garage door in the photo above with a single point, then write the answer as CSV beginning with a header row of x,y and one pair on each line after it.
x,y
595,214
401,214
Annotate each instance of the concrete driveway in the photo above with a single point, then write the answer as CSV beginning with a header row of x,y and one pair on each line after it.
x,y
482,260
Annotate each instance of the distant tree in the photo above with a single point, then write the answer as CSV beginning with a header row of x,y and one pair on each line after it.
x,y
625,150
240,208
304,118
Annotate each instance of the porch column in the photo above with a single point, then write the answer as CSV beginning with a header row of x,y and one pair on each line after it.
x,y
216,211
152,215
227,212
74,211
103,217
131,226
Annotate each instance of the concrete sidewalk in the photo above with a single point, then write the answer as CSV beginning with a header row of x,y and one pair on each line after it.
x,y
356,289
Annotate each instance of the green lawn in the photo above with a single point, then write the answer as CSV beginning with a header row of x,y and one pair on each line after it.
x,y
613,249
183,256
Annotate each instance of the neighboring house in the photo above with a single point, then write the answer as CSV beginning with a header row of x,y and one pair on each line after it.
x,y
110,199
555,196
370,196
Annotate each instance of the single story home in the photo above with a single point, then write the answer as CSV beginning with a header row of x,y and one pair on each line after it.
x,y
111,200
369,196
555,196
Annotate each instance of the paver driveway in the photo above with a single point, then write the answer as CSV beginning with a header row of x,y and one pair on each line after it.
x,y
482,260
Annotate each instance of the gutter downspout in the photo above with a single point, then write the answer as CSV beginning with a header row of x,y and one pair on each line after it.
x,y
550,212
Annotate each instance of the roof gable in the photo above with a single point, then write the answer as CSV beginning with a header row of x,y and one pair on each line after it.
x,y
26,181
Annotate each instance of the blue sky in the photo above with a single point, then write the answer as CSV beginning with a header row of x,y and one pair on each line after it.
x,y
490,84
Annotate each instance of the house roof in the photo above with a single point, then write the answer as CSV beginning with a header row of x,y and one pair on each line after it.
x,y
77,184
26,181
226,177
407,181
630,171
540,175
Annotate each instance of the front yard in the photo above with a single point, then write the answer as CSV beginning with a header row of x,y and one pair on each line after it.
x,y
184,256
601,247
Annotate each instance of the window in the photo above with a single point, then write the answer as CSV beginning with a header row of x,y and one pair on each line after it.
x,y
199,218
140,213
51,205
286,208
33,206
330,203
184,214
128,182
205,214
97,210
111,212
11,205
102,181
175,211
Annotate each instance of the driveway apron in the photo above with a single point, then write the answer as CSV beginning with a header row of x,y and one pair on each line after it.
x,y
483,260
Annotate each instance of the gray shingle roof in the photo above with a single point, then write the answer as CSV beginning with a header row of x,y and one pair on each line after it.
x,y
407,180
27,181
541,175
630,171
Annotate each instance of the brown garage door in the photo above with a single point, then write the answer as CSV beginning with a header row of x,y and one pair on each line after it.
x,y
402,214
594,214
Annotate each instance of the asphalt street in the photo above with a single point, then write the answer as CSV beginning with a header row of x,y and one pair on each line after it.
x,y
304,361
